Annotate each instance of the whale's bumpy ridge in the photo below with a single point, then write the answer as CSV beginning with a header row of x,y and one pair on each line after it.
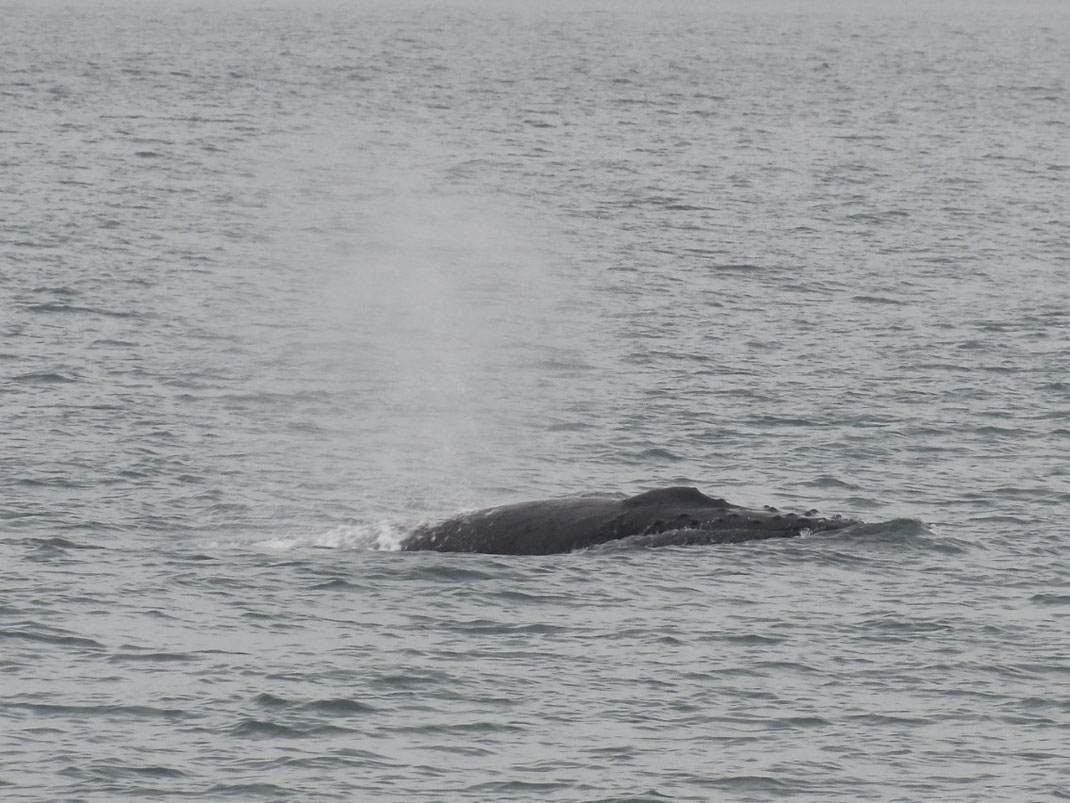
x,y
679,515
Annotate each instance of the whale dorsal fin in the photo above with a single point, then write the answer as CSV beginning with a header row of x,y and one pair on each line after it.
x,y
676,495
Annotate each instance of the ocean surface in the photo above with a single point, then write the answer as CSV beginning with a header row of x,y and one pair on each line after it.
x,y
280,281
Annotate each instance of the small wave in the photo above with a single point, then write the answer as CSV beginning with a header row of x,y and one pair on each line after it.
x,y
752,640
72,308
53,542
451,573
152,771
828,481
271,701
862,503
337,584
262,791
878,720
59,638
903,527
1050,599
904,532
379,535
471,726
130,711
44,377
261,728
879,300
415,679
518,790
152,657
60,290
110,771
659,454
258,729
339,706
751,783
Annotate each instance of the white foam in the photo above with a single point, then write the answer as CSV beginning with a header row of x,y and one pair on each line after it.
x,y
377,535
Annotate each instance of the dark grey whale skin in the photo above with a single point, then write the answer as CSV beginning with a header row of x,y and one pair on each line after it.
x,y
667,516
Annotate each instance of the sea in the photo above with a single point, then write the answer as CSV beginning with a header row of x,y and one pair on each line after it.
x,y
281,280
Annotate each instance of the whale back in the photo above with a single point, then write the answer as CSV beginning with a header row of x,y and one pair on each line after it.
x,y
678,495
528,528
676,515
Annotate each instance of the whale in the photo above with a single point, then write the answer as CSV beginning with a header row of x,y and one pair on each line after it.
x,y
677,516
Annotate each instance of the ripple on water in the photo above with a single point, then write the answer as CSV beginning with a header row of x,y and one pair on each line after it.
x,y
458,259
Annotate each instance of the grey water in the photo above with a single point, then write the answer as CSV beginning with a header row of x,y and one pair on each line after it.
x,y
279,281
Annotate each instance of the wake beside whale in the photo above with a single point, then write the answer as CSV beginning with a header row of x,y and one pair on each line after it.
x,y
677,516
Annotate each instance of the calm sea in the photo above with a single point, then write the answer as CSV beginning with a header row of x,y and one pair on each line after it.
x,y
280,280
